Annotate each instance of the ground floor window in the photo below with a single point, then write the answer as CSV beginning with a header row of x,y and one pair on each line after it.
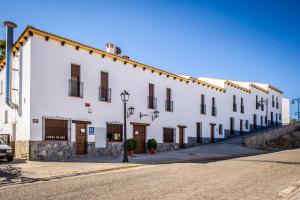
x,y
114,132
220,129
168,135
56,128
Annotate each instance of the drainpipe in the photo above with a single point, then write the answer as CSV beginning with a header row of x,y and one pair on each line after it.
x,y
8,59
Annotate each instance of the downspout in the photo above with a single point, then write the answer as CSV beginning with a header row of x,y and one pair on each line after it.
x,y
8,59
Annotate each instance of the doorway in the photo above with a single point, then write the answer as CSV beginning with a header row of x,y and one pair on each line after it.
x,y
241,127
81,140
199,132
139,134
212,133
181,136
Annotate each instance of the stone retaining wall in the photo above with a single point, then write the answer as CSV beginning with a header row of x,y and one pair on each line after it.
x,y
261,141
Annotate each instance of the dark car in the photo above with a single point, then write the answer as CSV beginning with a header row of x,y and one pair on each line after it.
x,y
6,151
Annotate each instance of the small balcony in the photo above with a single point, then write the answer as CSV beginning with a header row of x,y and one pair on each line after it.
x,y
242,109
152,102
203,109
169,106
104,94
214,111
234,107
75,88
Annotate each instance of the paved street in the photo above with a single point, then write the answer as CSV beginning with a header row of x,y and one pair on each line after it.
x,y
266,176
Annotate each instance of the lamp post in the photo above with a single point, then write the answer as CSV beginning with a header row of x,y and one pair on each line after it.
x,y
298,112
260,103
125,97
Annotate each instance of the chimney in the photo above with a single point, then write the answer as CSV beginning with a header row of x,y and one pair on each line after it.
x,y
8,58
113,49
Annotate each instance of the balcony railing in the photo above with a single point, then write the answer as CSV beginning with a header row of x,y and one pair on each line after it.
x,y
214,111
104,94
169,106
234,107
75,88
262,107
203,109
152,102
242,109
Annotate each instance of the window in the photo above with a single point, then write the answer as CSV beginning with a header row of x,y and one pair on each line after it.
x,y
104,90
168,135
256,102
75,85
277,103
242,105
273,102
169,102
234,104
214,109
56,129
247,124
255,121
114,132
6,117
202,105
151,99
272,118
199,132
261,122
276,118
262,104
231,125
220,129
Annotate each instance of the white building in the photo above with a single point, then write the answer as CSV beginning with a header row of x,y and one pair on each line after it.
x,y
60,98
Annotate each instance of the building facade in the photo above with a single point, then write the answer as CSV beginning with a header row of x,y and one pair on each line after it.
x,y
60,98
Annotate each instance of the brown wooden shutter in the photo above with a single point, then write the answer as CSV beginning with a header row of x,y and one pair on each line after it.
x,y
104,79
202,99
168,94
75,72
151,90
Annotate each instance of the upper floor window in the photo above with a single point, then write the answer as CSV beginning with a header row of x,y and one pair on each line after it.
x,y
202,105
262,107
75,85
234,104
104,90
213,108
277,103
256,102
242,105
273,101
152,101
169,102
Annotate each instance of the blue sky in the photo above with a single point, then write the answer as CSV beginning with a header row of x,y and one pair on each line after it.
x,y
249,40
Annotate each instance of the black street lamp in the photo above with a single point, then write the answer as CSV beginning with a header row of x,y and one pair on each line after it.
x,y
125,97
298,112
260,103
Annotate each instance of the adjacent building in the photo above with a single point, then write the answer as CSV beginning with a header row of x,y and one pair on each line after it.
x,y
60,98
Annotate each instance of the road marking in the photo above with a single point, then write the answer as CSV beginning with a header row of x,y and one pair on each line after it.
x,y
287,191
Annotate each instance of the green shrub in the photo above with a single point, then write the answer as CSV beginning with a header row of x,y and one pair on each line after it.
x,y
131,144
152,144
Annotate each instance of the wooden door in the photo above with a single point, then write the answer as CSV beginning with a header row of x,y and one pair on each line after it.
x,y
181,137
139,134
199,132
212,133
81,139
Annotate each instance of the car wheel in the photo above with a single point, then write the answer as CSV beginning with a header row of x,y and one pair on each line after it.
x,y
10,159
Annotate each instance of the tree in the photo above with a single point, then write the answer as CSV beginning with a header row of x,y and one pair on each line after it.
x,y
2,49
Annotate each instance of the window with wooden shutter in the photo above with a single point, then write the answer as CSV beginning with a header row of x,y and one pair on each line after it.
x,y
234,104
231,125
168,135
202,105
75,84
151,98
56,129
104,90
169,102
114,132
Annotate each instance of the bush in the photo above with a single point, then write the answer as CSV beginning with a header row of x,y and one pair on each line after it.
x,y
131,144
152,144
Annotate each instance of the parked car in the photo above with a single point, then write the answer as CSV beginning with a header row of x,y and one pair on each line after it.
x,y
6,151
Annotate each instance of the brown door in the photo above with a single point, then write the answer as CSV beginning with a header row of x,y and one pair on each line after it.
x,y
139,134
80,139
241,127
212,133
199,132
181,137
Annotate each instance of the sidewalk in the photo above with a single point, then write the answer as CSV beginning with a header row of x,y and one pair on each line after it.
x,y
19,172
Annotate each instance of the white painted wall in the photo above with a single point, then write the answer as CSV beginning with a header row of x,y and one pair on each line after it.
x,y
285,111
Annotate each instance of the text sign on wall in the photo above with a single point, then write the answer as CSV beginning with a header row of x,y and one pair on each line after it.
x,y
91,131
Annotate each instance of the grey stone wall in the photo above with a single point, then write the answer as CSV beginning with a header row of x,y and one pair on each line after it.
x,y
51,150
261,141
112,149
167,146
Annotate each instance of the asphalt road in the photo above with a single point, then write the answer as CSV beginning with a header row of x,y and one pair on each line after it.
x,y
257,177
